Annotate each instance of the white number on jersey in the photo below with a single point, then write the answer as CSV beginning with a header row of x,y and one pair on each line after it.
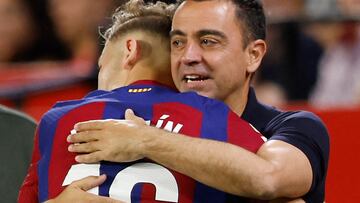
x,y
120,189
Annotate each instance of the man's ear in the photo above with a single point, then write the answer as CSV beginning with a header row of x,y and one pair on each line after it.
x,y
132,53
256,51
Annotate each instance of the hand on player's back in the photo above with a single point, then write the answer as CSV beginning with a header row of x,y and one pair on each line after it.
x,y
108,140
76,192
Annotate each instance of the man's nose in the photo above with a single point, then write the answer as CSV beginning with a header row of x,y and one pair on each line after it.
x,y
192,55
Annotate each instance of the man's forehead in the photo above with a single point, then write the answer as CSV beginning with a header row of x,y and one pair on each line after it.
x,y
210,10
203,15
216,4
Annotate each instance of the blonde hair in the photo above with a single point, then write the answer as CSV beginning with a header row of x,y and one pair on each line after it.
x,y
137,15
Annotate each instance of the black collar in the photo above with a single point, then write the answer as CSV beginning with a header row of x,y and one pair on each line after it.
x,y
257,114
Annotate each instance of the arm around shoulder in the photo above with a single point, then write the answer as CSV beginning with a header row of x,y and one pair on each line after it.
x,y
299,148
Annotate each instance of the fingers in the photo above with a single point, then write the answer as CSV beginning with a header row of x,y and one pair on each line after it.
x,y
90,125
130,115
89,158
85,136
89,182
99,199
84,147
97,125
94,125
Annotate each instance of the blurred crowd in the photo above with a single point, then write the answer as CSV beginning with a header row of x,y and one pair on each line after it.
x,y
313,53
47,44
313,49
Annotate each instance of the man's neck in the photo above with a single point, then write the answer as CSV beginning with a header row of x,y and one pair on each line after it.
x,y
237,101
148,73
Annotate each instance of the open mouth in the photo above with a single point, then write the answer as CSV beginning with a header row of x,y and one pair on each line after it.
x,y
194,78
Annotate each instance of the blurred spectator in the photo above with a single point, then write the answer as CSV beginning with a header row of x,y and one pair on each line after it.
x,y
291,61
305,37
338,84
77,24
278,11
25,33
349,7
322,9
289,69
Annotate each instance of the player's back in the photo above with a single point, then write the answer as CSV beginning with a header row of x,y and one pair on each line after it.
x,y
143,180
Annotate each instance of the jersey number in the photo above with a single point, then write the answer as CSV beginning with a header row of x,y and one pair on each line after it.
x,y
120,189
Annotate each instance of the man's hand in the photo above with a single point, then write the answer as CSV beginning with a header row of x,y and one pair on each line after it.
x,y
76,192
109,140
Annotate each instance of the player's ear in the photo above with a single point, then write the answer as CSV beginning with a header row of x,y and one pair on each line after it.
x,y
256,51
132,53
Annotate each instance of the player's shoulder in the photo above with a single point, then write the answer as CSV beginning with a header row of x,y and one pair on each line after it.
x,y
304,122
201,101
92,96
61,108
301,117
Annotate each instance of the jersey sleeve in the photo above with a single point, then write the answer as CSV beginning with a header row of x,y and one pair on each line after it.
x,y
305,131
29,190
243,134
237,131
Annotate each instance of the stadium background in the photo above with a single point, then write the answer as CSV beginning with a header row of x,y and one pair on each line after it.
x,y
301,34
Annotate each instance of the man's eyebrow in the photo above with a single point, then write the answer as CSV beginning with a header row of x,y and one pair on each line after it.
x,y
204,32
176,32
200,33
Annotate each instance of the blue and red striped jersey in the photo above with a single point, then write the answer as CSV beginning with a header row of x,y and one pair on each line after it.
x,y
53,167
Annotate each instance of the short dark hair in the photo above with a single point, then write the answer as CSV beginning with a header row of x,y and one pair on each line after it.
x,y
251,17
251,13
138,15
